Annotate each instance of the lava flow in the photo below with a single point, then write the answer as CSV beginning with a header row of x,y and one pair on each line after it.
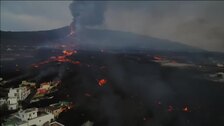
x,y
69,52
102,82
61,58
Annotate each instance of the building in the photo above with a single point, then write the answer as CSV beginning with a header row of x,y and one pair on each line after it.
x,y
21,93
12,103
14,95
29,117
54,110
58,108
26,83
46,88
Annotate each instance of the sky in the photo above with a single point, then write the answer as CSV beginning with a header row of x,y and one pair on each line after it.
x,y
34,15
196,23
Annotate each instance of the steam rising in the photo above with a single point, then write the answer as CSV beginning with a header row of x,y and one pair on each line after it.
x,y
87,13
198,24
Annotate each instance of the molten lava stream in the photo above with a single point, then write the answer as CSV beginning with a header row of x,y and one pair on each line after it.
x,y
102,82
61,58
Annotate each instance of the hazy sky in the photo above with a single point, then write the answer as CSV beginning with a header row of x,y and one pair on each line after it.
x,y
199,23
34,15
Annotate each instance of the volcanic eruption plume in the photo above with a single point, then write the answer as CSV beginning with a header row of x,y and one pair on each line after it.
x,y
87,13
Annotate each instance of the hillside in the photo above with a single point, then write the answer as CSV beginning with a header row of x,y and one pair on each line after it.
x,y
96,39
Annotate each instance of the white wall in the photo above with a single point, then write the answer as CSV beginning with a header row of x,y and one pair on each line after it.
x,y
41,120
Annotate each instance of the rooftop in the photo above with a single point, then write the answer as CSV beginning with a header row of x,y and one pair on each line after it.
x,y
56,124
30,110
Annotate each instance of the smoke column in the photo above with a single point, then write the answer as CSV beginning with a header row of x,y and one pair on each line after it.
x,y
87,13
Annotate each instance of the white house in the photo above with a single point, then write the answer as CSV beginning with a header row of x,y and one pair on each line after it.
x,y
29,117
21,93
15,95
12,103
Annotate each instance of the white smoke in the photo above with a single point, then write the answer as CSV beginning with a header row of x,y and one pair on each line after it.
x,y
198,24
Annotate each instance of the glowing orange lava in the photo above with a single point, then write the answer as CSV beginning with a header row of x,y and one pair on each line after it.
x,y
62,58
69,52
102,82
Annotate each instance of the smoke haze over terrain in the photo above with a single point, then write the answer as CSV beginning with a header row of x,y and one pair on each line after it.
x,y
198,24
148,78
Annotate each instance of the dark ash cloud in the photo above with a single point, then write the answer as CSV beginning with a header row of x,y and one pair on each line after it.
x,y
87,13
198,24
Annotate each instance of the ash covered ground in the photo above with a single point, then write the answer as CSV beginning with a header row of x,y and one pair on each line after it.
x,y
150,82
136,91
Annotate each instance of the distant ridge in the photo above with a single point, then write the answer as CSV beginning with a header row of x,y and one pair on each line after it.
x,y
47,35
127,40
97,39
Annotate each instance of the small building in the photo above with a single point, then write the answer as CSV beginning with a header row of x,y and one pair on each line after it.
x,y
49,85
46,88
21,93
54,110
26,83
13,96
29,117
58,108
9,103
12,103
13,92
